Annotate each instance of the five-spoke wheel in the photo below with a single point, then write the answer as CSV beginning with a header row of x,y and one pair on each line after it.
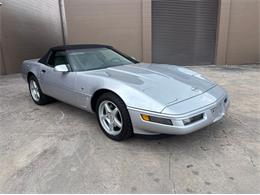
x,y
110,117
113,117
34,90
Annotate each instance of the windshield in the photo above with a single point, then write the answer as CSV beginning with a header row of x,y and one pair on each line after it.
x,y
95,58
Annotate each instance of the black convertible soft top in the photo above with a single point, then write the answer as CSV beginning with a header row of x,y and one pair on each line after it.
x,y
44,59
78,46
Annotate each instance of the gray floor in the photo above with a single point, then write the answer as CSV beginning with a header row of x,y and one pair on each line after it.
x,y
60,149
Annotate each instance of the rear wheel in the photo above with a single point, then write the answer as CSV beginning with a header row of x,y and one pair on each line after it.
x,y
113,117
36,93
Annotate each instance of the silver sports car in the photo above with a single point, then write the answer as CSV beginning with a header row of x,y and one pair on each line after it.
x,y
127,96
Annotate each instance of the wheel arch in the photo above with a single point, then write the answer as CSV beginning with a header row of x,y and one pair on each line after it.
x,y
97,94
32,73
29,74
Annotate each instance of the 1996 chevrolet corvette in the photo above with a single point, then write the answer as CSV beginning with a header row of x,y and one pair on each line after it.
x,y
127,96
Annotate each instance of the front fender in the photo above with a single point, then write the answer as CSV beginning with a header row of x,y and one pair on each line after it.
x,y
31,66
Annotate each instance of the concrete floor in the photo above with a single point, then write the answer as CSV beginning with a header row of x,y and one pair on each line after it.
x,y
60,149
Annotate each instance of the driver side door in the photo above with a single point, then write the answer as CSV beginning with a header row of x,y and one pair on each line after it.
x,y
59,85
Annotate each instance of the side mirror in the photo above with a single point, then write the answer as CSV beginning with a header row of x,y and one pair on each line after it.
x,y
61,68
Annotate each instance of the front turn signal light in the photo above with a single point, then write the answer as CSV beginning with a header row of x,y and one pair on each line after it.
x,y
145,117
154,119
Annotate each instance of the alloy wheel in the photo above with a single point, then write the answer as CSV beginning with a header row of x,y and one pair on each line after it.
x,y
110,117
34,90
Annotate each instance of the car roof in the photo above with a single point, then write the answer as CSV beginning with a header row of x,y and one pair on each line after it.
x,y
45,58
78,46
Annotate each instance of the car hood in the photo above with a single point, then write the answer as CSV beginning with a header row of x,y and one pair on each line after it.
x,y
167,84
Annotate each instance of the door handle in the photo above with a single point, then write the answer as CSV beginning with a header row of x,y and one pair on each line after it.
x,y
43,71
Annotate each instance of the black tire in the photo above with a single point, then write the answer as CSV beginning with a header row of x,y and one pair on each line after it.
x,y
127,129
44,99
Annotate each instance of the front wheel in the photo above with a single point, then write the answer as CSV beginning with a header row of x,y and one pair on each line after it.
x,y
113,117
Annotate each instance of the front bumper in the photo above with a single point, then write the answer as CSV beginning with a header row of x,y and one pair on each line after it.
x,y
211,113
